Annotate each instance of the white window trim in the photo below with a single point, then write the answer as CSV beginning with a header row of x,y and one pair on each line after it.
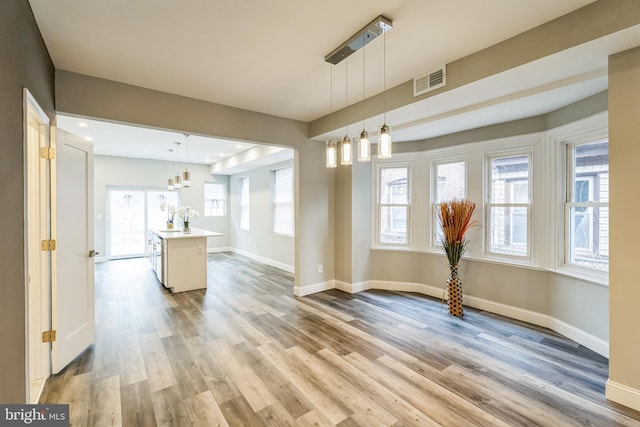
x,y
488,204
591,129
397,162
226,197
547,182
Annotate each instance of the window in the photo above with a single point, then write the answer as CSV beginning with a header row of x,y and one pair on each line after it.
x,y
283,201
450,184
244,203
509,206
587,207
393,203
215,199
451,181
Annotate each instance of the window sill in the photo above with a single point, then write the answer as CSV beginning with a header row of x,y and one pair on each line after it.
x,y
581,275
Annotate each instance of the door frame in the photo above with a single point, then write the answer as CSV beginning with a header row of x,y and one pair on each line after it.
x,y
38,312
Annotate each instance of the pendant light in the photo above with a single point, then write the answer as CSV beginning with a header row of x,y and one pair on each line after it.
x,y
332,154
384,140
364,146
186,176
332,146
177,181
347,152
170,180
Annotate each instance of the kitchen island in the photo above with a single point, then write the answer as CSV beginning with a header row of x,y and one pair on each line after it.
x,y
180,259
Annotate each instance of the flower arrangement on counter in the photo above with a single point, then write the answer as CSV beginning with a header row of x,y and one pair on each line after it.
x,y
171,213
186,213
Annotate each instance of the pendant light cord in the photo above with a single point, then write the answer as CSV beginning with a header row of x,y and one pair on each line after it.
x,y
384,77
364,85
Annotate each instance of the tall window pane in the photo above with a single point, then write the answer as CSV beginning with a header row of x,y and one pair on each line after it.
x,y
244,203
393,205
451,181
509,205
283,201
588,205
450,184
215,199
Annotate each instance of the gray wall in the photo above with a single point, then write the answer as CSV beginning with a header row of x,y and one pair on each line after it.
x,y
259,240
121,171
25,63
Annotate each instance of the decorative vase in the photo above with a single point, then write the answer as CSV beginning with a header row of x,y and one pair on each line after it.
x,y
454,289
186,228
169,226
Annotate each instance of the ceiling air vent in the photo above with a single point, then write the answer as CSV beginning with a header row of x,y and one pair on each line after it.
x,y
429,81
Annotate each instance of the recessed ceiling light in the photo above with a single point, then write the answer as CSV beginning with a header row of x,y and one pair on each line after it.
x,y
88,138
220,154
82,124
239,145
207,160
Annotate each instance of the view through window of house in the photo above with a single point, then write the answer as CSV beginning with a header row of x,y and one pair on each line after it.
x,y
509,205
588,205
394,205
215,199
450,184
283,201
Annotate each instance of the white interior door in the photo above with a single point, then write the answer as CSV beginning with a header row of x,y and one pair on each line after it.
x,y
73,285
37,228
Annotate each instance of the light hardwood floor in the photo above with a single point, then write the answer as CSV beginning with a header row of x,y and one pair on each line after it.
x,y
245,352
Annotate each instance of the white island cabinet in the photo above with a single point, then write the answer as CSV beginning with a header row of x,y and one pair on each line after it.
x,y
180,259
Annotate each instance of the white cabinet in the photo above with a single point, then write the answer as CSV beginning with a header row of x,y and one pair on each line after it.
x,y
179,259
154,249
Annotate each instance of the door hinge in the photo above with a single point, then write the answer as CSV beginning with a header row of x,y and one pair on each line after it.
x,y
48,153
49,336
48,245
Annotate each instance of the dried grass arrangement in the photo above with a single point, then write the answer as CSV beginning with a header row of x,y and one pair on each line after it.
x,y
454,216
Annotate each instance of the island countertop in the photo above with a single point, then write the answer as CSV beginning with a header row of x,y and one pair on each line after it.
x,y
179,234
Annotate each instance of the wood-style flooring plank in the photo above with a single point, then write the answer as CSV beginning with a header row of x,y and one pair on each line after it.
x,y
137,405
246,352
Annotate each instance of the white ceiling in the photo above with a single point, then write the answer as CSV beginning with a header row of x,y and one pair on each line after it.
x,y
114,139
267,56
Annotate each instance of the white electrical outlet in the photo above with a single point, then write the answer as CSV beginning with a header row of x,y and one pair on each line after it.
x,y
320,268
200,249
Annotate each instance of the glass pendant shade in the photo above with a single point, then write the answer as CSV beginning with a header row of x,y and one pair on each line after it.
x,y
384,144
347,151
364,147
170,184
186,179
177,182
332,154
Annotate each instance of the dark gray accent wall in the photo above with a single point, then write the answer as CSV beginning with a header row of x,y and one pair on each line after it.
x,y
24,62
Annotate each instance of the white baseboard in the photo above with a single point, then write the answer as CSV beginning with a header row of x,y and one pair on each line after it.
x,y
586,339
622,394
219,249
264,260
301,291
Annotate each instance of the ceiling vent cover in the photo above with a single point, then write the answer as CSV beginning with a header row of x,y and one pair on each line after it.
x,y
429,81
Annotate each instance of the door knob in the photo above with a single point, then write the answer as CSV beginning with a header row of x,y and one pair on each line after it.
x,y
93,253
